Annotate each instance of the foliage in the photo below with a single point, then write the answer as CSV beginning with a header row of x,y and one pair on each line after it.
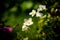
x,y
46,27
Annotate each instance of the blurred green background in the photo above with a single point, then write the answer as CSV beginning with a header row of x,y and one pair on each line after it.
x,y
15,11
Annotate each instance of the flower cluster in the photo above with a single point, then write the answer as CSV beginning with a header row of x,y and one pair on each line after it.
x,y
38,13
28,22
41,7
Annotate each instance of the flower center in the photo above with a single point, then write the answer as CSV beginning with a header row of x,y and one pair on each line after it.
x,y
32,13
28,22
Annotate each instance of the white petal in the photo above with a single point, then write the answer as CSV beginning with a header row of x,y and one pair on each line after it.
x,y
31,23
38,14
25,20
39,9
32,13
30,18
42,7
24,28
56,10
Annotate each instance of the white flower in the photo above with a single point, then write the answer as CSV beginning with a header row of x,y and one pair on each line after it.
x,y
28,21
56,10
24,28
32,13
38,14
41,7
